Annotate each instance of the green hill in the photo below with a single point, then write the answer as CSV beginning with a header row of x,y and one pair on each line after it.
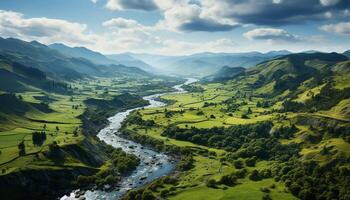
x,y
280,130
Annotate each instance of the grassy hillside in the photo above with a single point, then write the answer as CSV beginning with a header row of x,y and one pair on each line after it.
x,y
278,131
51,109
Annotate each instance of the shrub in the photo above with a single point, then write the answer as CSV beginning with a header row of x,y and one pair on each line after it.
x,y
238,164
211,183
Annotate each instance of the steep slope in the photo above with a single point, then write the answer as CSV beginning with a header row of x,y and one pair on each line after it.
x,y
16,77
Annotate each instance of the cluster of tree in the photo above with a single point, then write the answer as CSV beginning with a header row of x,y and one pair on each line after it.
x,y
207,104
264,104
136,118
193,88
326,99
121,164
186,163
310,181
122,161
245,140
57,87
141,194
285,132
38,138
228,179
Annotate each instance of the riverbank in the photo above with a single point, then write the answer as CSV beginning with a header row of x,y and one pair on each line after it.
x,y
152,164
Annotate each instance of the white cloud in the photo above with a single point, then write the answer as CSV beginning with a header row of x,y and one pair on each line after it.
x,y
13,24
94,1
186,17
121,23
270,34
340,28
329,2
276,1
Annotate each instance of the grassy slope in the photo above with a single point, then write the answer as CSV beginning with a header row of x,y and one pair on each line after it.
x,y
16,128
192,183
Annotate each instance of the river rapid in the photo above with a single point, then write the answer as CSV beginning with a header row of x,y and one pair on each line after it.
x,y
152,164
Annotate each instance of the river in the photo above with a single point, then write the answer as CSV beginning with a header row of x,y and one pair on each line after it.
x,y
152,164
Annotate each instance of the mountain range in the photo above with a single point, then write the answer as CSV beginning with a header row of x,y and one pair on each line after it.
x,y
98,58
203,64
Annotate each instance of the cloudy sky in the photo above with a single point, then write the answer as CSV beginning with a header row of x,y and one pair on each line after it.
x,y
181,26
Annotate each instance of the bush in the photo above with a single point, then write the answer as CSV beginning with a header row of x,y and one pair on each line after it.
x,y
238,164
148,195
229,180
211,183
250,162
266,197
254,175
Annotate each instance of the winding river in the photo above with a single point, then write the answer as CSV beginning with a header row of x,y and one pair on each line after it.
x,y
152,164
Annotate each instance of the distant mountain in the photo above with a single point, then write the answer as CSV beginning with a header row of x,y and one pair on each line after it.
x,y
128,60
347,53
203,64
57,65
225,73
98,58
81,52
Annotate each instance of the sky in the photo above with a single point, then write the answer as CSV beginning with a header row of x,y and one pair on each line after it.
x,y
179,27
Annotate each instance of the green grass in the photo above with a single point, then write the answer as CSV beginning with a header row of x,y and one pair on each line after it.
x,y
247,190
15,129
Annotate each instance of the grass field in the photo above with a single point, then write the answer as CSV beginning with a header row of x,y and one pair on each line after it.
x,y
61,122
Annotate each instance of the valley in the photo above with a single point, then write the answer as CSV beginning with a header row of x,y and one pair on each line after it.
x,y
276,130
239,135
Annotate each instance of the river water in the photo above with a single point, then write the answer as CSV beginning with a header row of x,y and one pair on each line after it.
x,y
152,164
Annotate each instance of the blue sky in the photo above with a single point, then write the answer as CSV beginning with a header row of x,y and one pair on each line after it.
x,y
176,27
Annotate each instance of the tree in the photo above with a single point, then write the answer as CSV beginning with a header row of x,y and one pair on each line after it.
x,y
250,162
229,180
254,175
147,195
211,183
238,164
249,111
38,138
266,197
22,149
